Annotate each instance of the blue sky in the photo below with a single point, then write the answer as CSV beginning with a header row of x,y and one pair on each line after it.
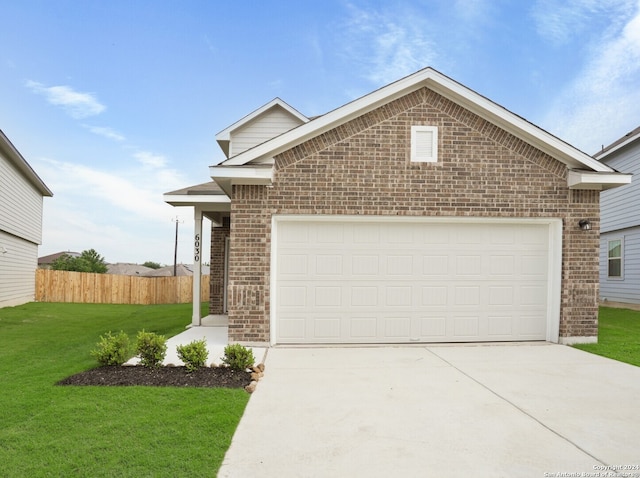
x,y
114,103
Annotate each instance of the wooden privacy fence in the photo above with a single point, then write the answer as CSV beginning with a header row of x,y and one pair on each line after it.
x,y
66,286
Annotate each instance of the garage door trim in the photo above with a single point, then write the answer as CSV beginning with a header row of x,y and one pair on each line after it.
x,y
554,256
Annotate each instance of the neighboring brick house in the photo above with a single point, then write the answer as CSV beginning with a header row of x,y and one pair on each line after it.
x,y
21,201
421,212
620,228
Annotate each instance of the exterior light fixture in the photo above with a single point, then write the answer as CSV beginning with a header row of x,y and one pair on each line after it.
x,y
584,224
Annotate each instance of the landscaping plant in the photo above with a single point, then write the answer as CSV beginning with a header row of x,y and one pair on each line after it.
x,y
238,357
194,354
152,348
112,349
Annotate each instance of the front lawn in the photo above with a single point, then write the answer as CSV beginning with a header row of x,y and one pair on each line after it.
x,y
619,335
50,430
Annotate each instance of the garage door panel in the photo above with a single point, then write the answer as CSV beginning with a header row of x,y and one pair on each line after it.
x,y
363,328
327,296
397,328
327,328
466,327
434,295
377,282
292,329
400,265
432,327
435,265
364,296
500,326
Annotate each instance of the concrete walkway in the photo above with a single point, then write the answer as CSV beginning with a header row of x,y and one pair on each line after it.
x,y
529,410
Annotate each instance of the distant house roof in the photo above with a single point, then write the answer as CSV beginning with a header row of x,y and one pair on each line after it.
x,y
127,269
181,270
21,164
628,138
48,260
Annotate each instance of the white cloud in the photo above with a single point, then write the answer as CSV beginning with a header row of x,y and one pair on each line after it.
x,y
600,105
106,132
150,160
387,44
558,21
78,105
136,193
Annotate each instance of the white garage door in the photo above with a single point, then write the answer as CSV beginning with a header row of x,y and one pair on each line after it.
x,y
340,281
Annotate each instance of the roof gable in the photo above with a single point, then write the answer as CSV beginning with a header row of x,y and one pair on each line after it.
x,y
261,117
255,165
446,87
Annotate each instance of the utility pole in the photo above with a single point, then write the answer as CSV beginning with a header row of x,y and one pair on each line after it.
x,y
175,250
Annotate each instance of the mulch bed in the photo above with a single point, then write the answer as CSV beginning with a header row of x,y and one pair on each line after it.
x,y
160,377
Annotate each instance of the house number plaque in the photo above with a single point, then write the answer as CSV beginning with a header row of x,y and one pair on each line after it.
x,y
196,248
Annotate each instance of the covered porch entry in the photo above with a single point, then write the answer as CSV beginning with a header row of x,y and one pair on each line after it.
x,y
210,201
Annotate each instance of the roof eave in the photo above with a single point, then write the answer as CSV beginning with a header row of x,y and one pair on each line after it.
x,y
216,202
596,180
23,166
227,176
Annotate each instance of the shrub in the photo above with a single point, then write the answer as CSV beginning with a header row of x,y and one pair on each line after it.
x,y
152,348
194,355
238,357
112,349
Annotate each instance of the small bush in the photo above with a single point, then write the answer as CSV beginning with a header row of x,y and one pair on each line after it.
x,y
194,355
152,348
112,349
238,357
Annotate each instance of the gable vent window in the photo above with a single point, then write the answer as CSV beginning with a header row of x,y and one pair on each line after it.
x,y
424,144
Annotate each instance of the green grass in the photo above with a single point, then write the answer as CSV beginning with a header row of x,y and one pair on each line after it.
x,y
49,430
618,337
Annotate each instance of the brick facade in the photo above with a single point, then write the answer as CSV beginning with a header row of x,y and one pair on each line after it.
x,y
362,168
217,265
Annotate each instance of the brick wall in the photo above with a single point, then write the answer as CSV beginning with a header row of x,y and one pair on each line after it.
x,y
216,288
363,168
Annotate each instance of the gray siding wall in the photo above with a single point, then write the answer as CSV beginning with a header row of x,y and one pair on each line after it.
x,y
20,204
620,207
627,288
268,125
20,234
17,270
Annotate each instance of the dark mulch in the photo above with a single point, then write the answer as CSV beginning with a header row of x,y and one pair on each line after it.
x,y
160,377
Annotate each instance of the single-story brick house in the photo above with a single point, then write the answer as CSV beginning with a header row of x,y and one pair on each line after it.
x,y
421,212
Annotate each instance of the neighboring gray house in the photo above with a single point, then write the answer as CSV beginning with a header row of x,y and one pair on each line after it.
x,y
620,224
21,193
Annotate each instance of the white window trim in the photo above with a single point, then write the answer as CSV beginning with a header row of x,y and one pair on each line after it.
x,y
416,157
621,276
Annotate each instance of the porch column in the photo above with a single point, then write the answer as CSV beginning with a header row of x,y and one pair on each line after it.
x,y
197,265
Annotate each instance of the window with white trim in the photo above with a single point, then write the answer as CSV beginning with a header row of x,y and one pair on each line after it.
x,y
424,144
615,258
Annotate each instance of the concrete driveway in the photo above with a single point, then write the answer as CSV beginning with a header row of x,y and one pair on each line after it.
x,y
531,410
